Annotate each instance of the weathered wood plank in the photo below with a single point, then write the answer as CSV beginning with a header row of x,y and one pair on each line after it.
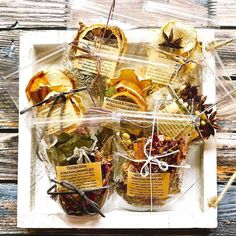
x,y
8,110
224,11
9,63
8,208
8,157
228,52
33,13
225,172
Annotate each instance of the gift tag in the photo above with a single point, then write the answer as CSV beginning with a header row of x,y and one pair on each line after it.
x,y
138,186
116,105
107,67
84,176
164,75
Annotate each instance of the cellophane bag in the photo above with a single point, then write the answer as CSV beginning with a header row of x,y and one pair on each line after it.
x,y
150,164
77,151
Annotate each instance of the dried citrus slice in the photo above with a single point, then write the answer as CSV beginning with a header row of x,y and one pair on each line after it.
x,y
128,97
44,82
100,34
130,89
179,36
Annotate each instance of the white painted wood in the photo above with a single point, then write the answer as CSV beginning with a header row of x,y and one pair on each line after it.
x,y
190,211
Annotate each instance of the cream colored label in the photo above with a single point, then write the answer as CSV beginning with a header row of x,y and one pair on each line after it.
x,y
107,67
177,128
55,127
115,105
165,73
138,186
84,176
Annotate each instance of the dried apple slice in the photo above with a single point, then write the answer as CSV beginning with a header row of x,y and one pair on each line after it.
x,y
77,102
178,36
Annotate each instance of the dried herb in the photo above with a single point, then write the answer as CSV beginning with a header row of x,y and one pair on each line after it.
x,y
161,144
97,148
96,86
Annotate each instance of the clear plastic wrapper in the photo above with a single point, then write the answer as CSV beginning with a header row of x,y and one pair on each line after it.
x,y
195,12
91,12
144,13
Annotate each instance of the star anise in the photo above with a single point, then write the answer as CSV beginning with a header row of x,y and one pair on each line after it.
x,y
170,42
190,92
208,120
209,125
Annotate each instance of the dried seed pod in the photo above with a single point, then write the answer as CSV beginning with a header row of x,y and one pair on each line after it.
x,y
208,123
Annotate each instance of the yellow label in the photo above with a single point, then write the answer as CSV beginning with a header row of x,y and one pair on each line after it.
x,y
115,105
84,176
107,66
138,186
165,73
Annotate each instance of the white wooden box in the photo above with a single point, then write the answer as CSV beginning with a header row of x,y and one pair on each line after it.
x,y
35,209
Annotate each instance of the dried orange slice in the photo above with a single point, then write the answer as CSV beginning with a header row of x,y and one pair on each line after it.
x,y
129,80
130,89
45,82
100,34
128,97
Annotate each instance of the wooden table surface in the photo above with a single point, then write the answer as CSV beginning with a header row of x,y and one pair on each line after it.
x,y
53,14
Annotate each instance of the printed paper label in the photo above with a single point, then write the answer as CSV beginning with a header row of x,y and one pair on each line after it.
x,y
138,186
55,127
107,66
114,104
162,74
84,176
178,127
